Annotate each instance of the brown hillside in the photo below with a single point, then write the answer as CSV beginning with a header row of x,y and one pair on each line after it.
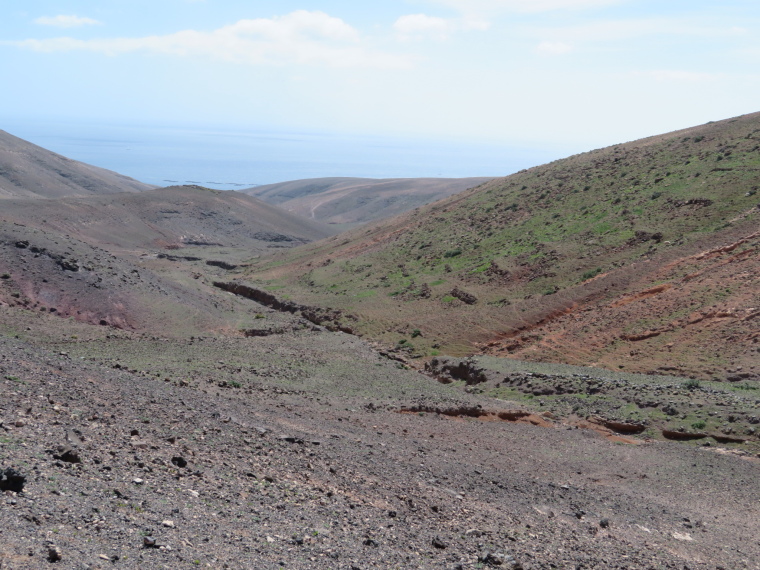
x,y
496,268
352,201
30,171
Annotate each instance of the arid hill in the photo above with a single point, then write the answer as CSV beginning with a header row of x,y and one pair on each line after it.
x,y
642,256
159,409
30,171
126,259
353,201
171,218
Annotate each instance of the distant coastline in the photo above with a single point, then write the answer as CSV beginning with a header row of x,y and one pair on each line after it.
x,y
230,160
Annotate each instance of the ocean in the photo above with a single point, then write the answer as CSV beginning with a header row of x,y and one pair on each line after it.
x,y
235,159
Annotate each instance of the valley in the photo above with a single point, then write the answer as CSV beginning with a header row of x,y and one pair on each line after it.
x,y
555,369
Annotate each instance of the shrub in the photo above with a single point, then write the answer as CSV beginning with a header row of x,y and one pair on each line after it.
x,y
692,384
453,253
699,425
591,273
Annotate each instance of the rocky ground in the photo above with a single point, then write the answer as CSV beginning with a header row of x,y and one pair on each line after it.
x,y
309,449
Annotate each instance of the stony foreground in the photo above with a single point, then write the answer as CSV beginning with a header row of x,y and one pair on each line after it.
x,y
107,466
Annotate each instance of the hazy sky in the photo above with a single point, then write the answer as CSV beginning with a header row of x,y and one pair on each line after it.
x,y
573,73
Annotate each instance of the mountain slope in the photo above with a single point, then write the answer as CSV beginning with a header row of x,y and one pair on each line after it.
x,y
30,171
359,200
565,242
169,218
135,260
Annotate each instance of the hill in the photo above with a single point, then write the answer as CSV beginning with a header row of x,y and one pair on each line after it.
x,y
353,201
310,450
159,408
134,260
30,171
175,217
643,255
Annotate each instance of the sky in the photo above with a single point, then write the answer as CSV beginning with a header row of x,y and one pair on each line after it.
x,y
576,74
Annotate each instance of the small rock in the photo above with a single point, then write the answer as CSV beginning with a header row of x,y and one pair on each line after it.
x,y
604,523
138,481
168,524
438,542
12,480
502,559
67,454
54,553
149,542
20,423
180,462
474,532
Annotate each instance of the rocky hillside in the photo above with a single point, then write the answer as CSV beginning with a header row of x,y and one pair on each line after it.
x,y
162,407
30,171
173,218
138,260
308,449
643,255
353,201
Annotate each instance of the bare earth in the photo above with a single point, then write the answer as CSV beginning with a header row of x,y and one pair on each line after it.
x,y
308,463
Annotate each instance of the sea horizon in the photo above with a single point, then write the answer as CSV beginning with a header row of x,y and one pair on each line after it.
x,y
234,159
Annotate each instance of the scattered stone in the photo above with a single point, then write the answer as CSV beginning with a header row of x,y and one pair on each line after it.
x,y
12,480
180,462
54,554
502,559
67,454
290,439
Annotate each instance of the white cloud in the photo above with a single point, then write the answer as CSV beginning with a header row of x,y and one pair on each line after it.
x,y
300,37
421,26
616,30
675,75
416,26
554,48
490,6
63,21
